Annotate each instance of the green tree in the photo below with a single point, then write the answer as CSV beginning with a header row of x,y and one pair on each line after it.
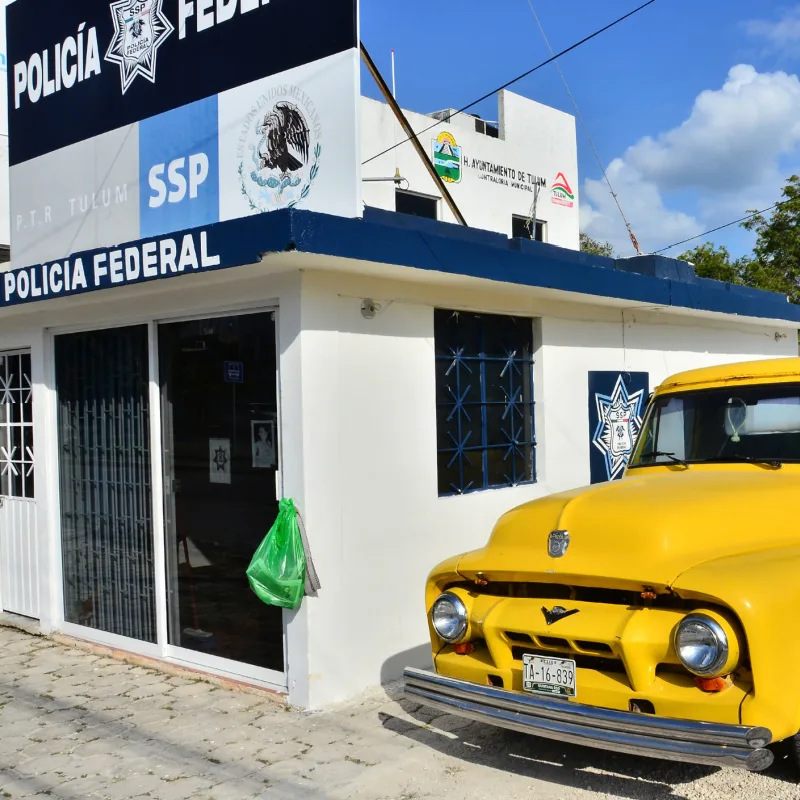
x,y
715,262
589,245
776,262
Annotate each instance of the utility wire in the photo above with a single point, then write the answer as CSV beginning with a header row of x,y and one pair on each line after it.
x,y
585,127
518,78
720,228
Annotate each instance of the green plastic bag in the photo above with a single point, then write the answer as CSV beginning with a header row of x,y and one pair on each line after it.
x,y
277,573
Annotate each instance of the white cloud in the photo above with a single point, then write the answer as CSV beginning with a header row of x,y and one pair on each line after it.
x,y
653,224
728,152
782,34
732,137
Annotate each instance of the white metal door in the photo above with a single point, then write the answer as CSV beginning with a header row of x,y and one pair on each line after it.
x,y
19,557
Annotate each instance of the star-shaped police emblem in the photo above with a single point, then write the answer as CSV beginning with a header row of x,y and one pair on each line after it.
x,y
140,28
619,421
220,459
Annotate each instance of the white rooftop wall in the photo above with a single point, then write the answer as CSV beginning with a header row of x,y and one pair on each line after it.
x,y
497,176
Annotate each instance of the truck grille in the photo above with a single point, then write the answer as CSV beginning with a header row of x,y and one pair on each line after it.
x,y
591,655
554,643
624,642
581,661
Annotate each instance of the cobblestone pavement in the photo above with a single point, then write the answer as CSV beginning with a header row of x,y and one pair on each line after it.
x,y
77,725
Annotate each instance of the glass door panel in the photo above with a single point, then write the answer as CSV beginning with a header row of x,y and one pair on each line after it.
x,y
104,470
220,432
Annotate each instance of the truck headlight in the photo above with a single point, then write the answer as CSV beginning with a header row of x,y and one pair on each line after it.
x,y
449,617
701,645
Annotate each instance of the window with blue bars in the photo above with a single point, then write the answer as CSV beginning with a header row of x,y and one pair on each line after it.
x,y
484,401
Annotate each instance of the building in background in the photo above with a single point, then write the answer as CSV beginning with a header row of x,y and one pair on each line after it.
x,y
517,175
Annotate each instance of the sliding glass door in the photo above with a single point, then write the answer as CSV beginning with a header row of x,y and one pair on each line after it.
x,y
220,456
220,443
102,383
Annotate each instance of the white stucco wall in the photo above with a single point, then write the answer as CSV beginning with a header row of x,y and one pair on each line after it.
x,y
534,139
358,431
369,420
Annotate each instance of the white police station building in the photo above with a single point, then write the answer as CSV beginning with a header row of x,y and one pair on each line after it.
x,y
208,310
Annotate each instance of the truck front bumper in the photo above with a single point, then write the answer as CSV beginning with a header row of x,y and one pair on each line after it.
x,y
620,731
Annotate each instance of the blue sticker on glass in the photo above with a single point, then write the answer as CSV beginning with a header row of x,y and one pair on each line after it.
x,y
179,169
234,372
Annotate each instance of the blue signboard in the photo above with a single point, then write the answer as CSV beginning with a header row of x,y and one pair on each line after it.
x,y
95,66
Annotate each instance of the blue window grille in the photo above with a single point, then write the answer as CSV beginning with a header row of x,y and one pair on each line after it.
x,y
484,401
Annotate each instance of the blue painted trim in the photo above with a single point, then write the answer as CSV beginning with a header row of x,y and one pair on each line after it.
x,y
388,238
456,251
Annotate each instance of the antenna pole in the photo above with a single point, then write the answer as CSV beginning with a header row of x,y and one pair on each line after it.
x,y
409,132
394,91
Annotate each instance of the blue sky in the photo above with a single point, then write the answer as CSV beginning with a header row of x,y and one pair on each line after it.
x,y
694,105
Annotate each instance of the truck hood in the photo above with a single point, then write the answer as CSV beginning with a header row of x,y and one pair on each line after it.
x,y
644,530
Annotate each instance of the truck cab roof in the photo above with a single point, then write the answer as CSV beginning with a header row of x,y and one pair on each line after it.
x,y
772,370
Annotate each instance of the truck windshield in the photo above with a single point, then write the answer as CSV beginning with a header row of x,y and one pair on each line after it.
x,y
744,423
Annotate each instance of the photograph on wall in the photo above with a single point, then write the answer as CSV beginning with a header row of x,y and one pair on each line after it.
x,y
219,453
263,443
617,402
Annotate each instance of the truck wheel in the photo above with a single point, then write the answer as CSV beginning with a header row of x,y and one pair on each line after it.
x,y
793,746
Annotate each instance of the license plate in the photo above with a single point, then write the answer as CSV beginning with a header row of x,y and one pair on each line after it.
x,y
548,675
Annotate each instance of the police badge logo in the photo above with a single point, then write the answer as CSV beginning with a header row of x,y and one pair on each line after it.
x,y
557,544
279,158
620,420
140,28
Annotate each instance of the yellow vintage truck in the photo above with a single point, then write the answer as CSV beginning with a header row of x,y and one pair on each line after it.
x,y
656,615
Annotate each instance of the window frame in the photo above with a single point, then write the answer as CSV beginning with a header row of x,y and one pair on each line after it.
x,y
15,465
432,198
653,419
540,224
525,365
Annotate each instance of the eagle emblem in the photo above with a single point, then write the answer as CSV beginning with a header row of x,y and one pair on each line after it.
x,y
283,159
286,137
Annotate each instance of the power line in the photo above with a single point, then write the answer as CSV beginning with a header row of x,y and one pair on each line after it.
x,y
720,228
634,241
518,78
